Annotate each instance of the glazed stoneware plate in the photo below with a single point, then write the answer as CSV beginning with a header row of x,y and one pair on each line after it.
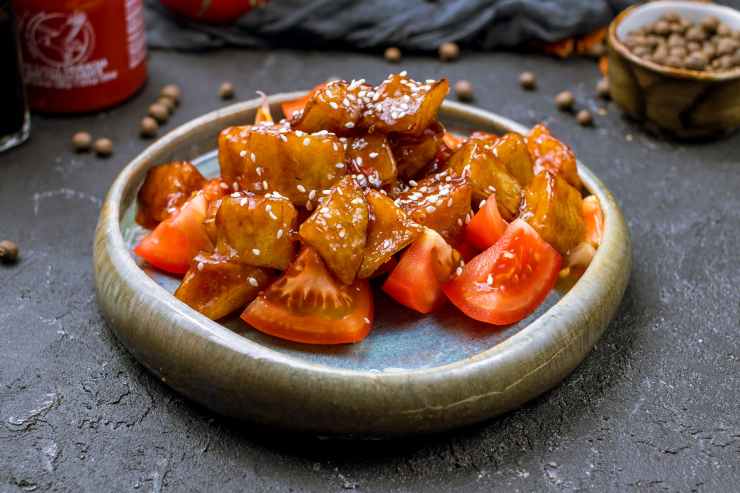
x,y
412,374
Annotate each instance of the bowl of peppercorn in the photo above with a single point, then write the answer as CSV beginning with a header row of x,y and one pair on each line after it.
x,y
675,65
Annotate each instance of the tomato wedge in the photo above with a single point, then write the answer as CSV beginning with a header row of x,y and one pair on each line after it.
x,y
416,282
593,218
296,105
509,280
307,304
487,225
173,244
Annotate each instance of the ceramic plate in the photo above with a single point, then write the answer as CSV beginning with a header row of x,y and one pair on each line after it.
x,y
412,374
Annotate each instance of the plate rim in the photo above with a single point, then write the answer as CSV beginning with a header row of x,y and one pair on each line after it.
x,y
535,347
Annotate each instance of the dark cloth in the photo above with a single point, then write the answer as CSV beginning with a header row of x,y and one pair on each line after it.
x,y
372,24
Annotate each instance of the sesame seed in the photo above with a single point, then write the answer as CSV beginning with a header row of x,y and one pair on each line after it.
x,y
342,234
489,280
272,215
340,165
334,105
279,234
508,254
306,141
349,125
459,221
243,202
253,281
312,194
200,265
235,186
223,185
459,271
235,195
449,202
258,170
264,184
242,153
430,209
301,188
256,251
367,320
283,138
413,183
309,205
299,133
253,156
373,155
358,160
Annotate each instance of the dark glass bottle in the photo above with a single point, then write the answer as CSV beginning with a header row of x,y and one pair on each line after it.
x,y
14,119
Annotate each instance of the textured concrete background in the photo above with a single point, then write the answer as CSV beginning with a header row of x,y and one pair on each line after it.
x,y
653,408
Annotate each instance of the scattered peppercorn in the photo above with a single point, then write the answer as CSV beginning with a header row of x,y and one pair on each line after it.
x,y
103,147
159,112
527,80
168,103
171,91
584,118
565,101
449,51
226,91
82,141
149,127
464,90
677,42
8,251
392,54
602,89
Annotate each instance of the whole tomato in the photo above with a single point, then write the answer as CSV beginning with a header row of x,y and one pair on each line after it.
x,y
213,11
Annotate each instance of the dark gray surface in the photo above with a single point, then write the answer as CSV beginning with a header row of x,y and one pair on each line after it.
x,y
654,407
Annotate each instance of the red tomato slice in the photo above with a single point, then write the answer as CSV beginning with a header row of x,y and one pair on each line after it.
x,y
508,281
593,218
291,107
487,225
178,239
416,282
307,304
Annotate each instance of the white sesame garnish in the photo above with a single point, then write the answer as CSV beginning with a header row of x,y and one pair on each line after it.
x,y
223,185
279,234
200,266
242,153
243,201
334,105
264,184
339,165
342,233
283,138
312,195
256,251
482,204
459,271
301,188
358,160
309,205
459,221
373,155
235,195
306,141
272,215
253,156
508,254
235,186
258,170
349,125
489,280
450,202
430,209
253,281
367,320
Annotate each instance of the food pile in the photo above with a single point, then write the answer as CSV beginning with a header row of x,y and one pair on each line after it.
x,y
674,41
361,186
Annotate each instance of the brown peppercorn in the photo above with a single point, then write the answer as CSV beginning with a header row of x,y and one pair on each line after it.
x,y
660,53
8,251
148,127
676,40
692,46
696,33
159,112
708,50
392,54
677,27
527,80
584,118
103,147
464,90
82,141
674,61
726,46
226,91
724,30
171,91
448,51
565,101
696,61
710,24
642,51
677,51
602,89
724,62
662,28
672,16
168,103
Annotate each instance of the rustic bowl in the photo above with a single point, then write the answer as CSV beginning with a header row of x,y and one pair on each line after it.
x,y
412,374
681,102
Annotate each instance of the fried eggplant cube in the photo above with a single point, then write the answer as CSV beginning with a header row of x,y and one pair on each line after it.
x,y
256,229
165,188
440,202
389,231
371,156
274,158
402,105
217,286
511,150
337,229
414,153
553,207
336,107
549,154
488,175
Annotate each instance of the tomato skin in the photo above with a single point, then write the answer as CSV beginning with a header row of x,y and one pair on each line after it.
x,y
522,269
487,225
593,218
213,11
288,310
173,244
416,282
291,107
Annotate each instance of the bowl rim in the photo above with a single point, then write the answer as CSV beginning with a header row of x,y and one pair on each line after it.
x,y
679,73
438,390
